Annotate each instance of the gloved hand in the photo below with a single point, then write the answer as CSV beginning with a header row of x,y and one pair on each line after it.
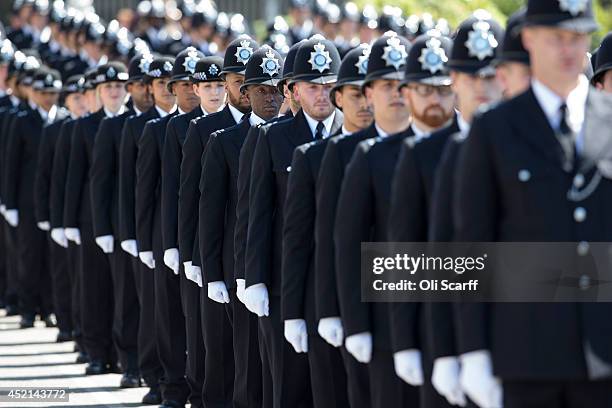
x,y
256,299
408,366
360,346
12,217
188,271
296,335
107,243
217,291
59,237
171,259
2,209
477,379
330,329
43,225
445,379
146,258
240,288
197,275
73,234
130,247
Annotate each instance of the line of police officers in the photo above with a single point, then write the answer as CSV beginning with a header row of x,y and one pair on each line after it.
x,y
204,237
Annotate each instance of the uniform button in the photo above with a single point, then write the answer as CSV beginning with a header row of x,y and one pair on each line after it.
x,y
582,248
289,168
584,282
578,180
580,214
524,175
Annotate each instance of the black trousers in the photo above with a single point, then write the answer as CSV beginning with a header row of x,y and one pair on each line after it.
x,y
96,298
149,363
11,293
126,309
388,390
73,254
219,364
35,291
248,384
3,260
357,381
59,265
557,394
169,324
196,352
327,374
290,370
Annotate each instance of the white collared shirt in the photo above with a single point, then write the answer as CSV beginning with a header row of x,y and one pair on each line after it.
x,y
181,112
551,103
236,114
346,132
327,124
52,114
162,113
255,120
43,114
14,100
204,113
418,132
138,111
110,114
464,126
380,132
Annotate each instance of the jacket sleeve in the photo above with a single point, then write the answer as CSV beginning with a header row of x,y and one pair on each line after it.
x,y
75,177
171,168
102,181
354,218
242,206
127,183
58,176
189,192
262,193
43,175
214,184
148,168
298,236
329,183
12,173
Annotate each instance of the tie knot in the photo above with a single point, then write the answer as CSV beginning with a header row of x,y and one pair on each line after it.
x,y
564,127
319,131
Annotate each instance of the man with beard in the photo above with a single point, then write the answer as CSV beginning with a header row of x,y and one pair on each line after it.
x,y
72,98
21,155
215,324
427,91
362,216
315,70
105,213
299,286
218,216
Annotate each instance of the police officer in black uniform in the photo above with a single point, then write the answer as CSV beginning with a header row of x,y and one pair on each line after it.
x,y
602,79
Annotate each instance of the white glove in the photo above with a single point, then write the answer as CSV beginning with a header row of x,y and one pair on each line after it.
x,y
73,234
188,271
240,288
130,247
408,366
146,258
43,225
171,259
477,379
2,209
12,217
360,346
217,291
296,335
445,379
330,329
59,237
193,273
256,299
107,243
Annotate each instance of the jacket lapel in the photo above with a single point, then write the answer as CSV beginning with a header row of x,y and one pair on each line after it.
x,y
300,133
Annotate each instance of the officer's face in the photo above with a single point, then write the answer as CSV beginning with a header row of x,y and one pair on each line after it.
x,y
557,55
290,100
233,82
473,91
265,100
3,72
75,102
161,95
45,99
314,99
185,96
140,94
513,77
385,100
93,100
211,94
112,95
605,84
357,114
431,106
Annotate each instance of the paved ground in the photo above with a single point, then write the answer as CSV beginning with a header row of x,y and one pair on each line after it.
x,y
31,358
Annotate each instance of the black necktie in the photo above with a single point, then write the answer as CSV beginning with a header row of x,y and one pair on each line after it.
x,y
566,137
319,131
